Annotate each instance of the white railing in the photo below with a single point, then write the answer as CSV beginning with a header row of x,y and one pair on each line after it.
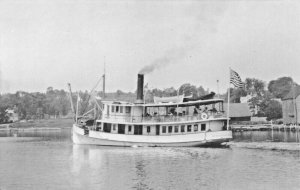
x,y
162,118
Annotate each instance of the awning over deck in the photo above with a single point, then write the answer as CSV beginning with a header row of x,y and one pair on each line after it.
x,y
172,99
184,104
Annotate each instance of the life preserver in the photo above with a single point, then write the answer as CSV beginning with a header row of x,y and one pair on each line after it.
x,y
204,116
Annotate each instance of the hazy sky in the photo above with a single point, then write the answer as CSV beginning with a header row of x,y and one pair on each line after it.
x,y
50,43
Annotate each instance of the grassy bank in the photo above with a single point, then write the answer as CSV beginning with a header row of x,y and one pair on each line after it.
x,y
45,123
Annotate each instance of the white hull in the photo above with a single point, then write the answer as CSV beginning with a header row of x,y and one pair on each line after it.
x,y
109,139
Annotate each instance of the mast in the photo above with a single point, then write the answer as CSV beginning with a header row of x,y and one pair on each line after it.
x,y
77,107
103,77
71,100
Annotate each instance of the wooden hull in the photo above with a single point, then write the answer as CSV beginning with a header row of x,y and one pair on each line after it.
x,y
180,140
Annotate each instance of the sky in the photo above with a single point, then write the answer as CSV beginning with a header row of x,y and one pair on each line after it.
x,y
51,43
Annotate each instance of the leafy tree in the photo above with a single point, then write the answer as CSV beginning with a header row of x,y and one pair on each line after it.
x,y
119,93
170,92
188,89
3,114
236,94
280,87
254,86
201,91
273,110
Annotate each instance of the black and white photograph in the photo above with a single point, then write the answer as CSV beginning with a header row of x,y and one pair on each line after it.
x,y
149,95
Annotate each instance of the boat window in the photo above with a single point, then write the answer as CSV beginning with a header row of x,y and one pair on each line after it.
x,y
107,109
112,108
121,109
128,109
148,129
157,129
196,127
170,129
121,128
203,127
138,130
129,128
182,128
107,127
98,126
189,128
176,129
117,109
164,129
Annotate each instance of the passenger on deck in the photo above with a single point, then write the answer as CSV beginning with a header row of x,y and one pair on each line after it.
x,y
213,110
170,114
195,111
205,109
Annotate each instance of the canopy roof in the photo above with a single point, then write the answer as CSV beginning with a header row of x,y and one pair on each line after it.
x,y
183,104
172,99
168,104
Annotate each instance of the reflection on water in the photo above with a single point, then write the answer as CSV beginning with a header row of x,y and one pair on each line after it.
x,y
55,163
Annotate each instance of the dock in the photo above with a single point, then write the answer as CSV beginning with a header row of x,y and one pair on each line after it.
x,y
265,127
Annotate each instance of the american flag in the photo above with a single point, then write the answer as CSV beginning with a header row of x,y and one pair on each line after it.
x,y
235,79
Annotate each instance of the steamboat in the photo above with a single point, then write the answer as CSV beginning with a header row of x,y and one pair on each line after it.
x,y
171,121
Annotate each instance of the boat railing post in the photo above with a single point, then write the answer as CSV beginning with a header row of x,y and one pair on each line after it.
x,y
272,131
298,128
284,134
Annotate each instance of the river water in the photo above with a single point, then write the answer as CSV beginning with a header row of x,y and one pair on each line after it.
x,y
51,161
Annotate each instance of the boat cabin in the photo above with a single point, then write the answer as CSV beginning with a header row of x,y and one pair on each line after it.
x,y
162,118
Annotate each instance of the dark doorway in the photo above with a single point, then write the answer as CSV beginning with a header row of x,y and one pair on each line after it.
x,y
203,127
107,127
121,128
157,129
138,130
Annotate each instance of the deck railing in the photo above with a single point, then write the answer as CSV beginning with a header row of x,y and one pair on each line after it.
x,y
163,118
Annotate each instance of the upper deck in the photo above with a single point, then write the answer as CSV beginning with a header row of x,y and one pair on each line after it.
x,y
154,113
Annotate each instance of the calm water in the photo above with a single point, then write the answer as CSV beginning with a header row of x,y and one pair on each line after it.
x,y
53,162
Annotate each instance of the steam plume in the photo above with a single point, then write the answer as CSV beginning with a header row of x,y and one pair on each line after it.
x,y
206,20
171,57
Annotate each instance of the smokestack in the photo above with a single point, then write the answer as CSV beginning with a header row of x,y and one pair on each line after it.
x,y
140,89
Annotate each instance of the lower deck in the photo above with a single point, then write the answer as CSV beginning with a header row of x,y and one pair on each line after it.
x,y
160,129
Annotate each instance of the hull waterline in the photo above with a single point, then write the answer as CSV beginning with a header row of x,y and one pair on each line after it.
x,y
106,139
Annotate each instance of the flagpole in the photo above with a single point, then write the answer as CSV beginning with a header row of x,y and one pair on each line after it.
x,y
228,100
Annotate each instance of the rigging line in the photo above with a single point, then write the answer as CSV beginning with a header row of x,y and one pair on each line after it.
x,y
88,112
93,89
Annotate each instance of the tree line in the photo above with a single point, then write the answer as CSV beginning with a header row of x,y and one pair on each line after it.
x,y
56,103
